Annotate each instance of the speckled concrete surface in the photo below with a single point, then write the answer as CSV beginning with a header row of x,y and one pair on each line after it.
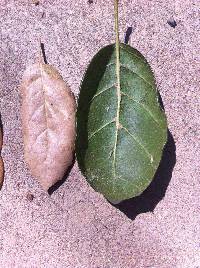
x,y
75,227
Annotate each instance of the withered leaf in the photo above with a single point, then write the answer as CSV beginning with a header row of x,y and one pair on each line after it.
x,y
1,161
48,121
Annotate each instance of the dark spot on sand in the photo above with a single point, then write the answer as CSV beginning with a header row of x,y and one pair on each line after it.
x,y
172,22
29,197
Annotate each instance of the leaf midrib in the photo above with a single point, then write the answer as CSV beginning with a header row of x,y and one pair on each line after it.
x,y
45,109
118,86
118,66
116,120
150,156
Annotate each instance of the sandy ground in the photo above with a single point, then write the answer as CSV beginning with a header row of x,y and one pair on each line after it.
x,y
75,227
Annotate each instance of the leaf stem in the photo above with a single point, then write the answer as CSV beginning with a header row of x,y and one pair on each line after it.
x,y
42,56
117,42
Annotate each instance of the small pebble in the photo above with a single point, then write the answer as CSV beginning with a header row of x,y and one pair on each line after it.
x,y
30,197
172,22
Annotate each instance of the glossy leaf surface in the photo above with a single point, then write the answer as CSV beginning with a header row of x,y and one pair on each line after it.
x,y
121,127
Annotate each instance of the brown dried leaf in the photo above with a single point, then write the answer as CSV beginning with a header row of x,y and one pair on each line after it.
x,y
48,120
1,161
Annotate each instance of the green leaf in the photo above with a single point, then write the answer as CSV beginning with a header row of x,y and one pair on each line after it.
x,y
121,127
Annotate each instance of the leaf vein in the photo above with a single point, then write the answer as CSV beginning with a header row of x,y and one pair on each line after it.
x,y
39,135
37,109
45,108
53,109
99,129
142,78
144,107
134,55
138,142
110,64
102,91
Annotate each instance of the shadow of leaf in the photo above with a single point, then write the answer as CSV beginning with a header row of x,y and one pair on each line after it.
x,y
54,187
148,200
128,34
